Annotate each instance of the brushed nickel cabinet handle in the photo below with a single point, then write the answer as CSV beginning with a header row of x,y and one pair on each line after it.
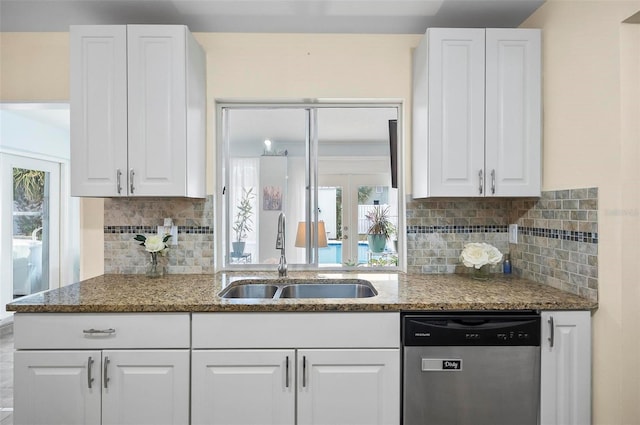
x,y
481,181
118,183
92,331
304,371
89,367
106,372
131,174
286,365
493,182
552,330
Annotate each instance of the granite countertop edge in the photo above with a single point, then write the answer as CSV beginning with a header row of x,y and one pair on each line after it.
x,y
397,292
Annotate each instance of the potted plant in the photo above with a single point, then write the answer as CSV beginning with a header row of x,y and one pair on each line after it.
x,y
243,222
380,228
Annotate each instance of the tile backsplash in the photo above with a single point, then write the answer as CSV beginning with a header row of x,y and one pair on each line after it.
x,y
438,229
126,217
557,241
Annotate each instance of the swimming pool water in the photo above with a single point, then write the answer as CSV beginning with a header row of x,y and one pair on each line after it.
x,y
332,254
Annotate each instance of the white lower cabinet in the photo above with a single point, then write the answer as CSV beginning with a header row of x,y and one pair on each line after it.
x,y
145,387
348,386
67,369
249,368
332,386
52,387
565,368
324,378
108,387
243,387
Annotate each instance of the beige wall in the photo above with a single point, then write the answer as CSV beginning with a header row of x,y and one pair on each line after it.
x,y
305,66
591,78
34,66
630,88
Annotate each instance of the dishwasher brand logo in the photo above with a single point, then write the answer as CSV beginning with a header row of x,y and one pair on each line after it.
x,y
452,365
439,365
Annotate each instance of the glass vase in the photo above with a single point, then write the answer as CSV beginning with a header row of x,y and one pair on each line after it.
x,y
154,270
480,274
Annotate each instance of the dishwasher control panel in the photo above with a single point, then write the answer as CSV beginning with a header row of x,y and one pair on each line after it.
x,y
471,329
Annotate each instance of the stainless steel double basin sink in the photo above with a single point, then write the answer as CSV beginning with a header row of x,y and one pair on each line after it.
x,y
299,288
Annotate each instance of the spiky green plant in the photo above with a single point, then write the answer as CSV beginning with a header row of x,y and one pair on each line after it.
x,y
379,223
243,222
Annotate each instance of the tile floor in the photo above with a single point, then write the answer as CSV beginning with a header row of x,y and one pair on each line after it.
x,y
6,374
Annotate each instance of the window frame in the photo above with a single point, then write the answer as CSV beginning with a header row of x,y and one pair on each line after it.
x,y
221,163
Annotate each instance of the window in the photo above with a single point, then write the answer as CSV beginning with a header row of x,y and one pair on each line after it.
x,y
324,167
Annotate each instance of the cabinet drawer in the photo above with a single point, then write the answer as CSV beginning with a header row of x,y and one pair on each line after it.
x,y
100,331
300,330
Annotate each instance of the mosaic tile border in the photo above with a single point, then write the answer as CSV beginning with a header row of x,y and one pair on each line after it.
x,y
490,228
565,235
196,230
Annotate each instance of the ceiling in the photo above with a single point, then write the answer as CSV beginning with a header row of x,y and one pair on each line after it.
x,y
273,16
48,114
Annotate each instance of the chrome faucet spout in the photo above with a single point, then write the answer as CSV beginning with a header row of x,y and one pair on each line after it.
x,y
280,244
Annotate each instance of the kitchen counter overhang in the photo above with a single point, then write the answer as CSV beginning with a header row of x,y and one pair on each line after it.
x,y
396,292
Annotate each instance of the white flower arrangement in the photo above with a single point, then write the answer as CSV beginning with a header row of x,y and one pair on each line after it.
x,y
154,243
478,254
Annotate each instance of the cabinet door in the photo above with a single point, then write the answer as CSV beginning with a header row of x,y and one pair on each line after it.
x,y
513,112
98,93
566,368
243,387
57,387
145,387
456,112
348,387
157,109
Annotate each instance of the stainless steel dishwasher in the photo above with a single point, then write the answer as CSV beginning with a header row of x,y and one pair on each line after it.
x,y
471,368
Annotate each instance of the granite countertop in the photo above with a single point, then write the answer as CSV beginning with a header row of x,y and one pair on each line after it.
x,y
396,292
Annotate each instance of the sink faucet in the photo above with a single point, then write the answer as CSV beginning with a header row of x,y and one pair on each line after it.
x,y
280,244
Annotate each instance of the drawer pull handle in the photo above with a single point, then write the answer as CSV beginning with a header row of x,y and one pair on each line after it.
x,y
106,374
89,367
92,331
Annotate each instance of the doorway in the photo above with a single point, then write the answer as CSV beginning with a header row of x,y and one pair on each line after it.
x,y
344,208
31,226
39,221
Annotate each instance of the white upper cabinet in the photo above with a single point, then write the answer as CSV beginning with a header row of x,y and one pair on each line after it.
x,y
137,111
98,110
476,113
513,112
448,113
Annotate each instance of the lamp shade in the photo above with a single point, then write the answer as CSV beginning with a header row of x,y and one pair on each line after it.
x,y
322,235
301,234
